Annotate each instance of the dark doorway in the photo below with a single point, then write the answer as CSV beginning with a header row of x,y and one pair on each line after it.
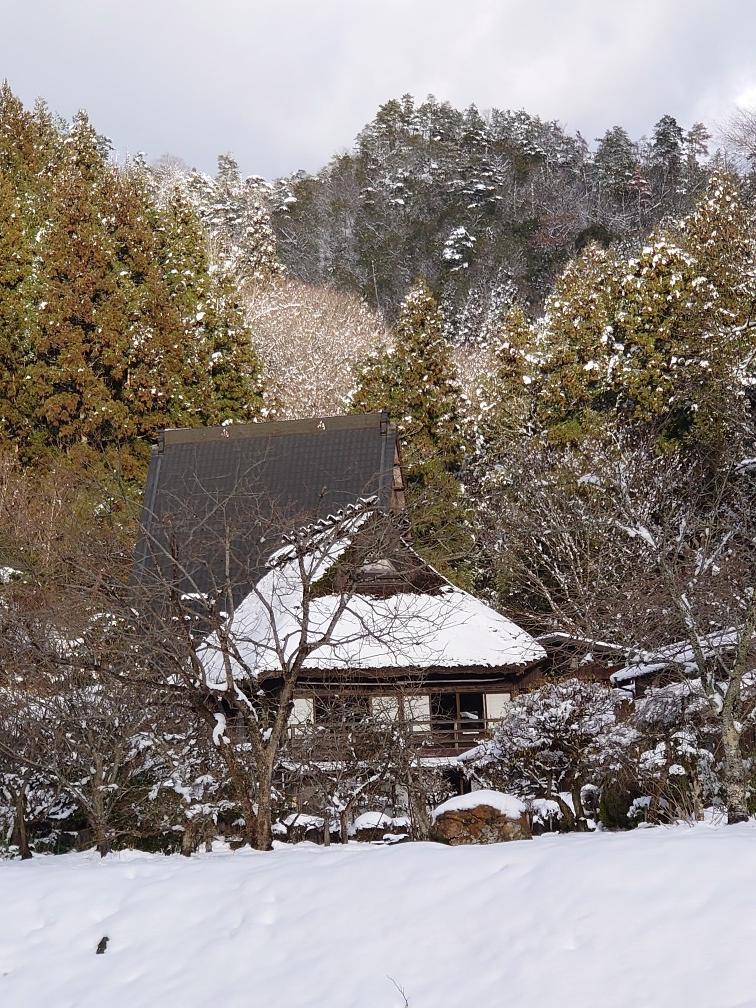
x,y
456,716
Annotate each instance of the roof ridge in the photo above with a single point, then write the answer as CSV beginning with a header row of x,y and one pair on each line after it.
x,y
274,428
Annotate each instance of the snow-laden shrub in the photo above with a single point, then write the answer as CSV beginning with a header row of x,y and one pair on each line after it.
x,y
677,757
555,742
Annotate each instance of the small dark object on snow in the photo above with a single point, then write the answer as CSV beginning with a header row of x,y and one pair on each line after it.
x,y
102,944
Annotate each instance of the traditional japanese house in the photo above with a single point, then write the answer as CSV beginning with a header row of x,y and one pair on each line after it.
x,y
237,516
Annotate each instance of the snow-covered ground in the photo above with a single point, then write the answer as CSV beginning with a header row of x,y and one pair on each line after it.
x,y
658,917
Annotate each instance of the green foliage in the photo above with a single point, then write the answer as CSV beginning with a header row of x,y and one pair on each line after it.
x,y
113,322
614,806
572,388
505,398
662,343
414,380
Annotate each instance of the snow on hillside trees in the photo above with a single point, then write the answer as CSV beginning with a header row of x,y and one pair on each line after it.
x,y
309,339
660,343
235,214
424,178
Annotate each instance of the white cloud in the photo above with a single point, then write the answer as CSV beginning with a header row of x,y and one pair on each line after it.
x,y
286,84
747,98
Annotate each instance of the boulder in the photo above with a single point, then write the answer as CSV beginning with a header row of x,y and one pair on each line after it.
x,y
481,817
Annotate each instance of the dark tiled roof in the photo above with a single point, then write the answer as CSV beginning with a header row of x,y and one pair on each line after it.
x,y
217,498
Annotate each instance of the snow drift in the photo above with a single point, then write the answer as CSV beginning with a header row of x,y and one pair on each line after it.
x,y
656,918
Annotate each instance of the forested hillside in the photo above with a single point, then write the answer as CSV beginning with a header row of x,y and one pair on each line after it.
x,y
471,202
496,283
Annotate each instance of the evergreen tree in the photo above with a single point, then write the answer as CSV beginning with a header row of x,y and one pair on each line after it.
x,y
475,318
219,375
235,214
695,151
425,178
696,145
616,159
27,148
16,314
579,347
721,235
415,381
666,150
80,363
682,323
113,322
507,397
665,320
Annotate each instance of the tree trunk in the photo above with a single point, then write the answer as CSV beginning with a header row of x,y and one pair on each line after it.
x,y
421,822
99,817
264,826
100,833
188,843
581,823
242,791
20,828
568,816
733,775
344,825
732,765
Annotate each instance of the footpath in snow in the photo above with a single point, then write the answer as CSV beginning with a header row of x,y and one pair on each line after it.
x,y
656,918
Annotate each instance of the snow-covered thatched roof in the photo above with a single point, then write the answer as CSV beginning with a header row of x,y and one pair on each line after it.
x,y
442,628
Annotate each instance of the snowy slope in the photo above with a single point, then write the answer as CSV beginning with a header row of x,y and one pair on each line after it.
x,y
658,917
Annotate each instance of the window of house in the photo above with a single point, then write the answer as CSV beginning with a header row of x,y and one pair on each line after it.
x,y
461,712
471,711
341,708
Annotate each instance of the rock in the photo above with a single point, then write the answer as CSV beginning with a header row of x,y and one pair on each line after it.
x,y
482,817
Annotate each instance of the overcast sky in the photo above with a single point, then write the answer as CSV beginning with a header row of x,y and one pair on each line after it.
x,y
287,83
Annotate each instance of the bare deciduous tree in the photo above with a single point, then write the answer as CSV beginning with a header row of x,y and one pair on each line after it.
x,y
310,340
739,134
624,545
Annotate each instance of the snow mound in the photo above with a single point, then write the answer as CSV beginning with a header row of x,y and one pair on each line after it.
x,y
627,920
303,819
509,806
379,820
